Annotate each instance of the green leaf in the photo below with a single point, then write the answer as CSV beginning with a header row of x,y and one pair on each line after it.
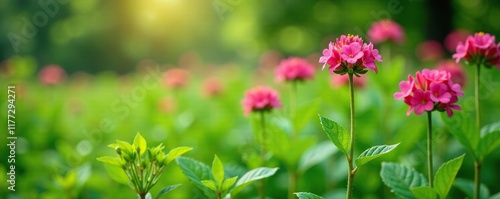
x,y
174,153
111,160
373,152
463,128
195,171
467,186
490,128
217,171
496,196
251,176
401,179
488,143
424,193
306,195
125,146
166,189
445,176
82,174
210,184
338,135
228,183
140,142
316,154
117,174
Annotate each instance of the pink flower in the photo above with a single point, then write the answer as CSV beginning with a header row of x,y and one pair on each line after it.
x,y
386,30
451,41
430,50
421,101
341,80
260,98
479,49
293,69
175,78
456,71
167,104
350,54
211,87
430,90
51,74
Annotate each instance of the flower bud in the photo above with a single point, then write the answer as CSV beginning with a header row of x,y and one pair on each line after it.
x,y
118,150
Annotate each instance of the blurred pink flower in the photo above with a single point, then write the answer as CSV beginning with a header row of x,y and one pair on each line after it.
x,y
479,49
167,104
349,53
343,80
386,30
211,87
430,50
456,71
260,98
175,78
454,38
51,75
294,69
430,90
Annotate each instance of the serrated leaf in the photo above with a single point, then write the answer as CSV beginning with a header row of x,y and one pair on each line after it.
x,y
445,176
111,160
338,135
195,171
217,171
228,183
140,142
488,143
210,184
251,176
316,154
401,179
424,193
373,152
176,152
467,186
464,130
166,189
307,195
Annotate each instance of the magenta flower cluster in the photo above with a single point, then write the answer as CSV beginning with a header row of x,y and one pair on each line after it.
x,y
350,55
430,90
294,69
479,49
260,98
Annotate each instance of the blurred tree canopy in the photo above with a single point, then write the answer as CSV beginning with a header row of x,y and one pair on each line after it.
x,y
92,35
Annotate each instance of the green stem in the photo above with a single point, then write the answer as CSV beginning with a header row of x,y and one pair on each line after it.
x,y
293,104
429,148
350,176
477,164
292,183
262,187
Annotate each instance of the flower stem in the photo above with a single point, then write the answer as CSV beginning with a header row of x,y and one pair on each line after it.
x,y
429,148
262,187
292,184
477,164
293,104
350,176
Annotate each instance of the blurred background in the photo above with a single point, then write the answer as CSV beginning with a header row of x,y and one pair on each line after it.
x,y
88,72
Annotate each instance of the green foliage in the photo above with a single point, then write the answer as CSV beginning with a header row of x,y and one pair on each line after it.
x,y
306,195
408,183
143,171
212,182
338,135
316,154
401,179
373,153
467,186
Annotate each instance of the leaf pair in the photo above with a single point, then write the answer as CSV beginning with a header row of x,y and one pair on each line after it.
x,y
207,179
408,183
342,140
